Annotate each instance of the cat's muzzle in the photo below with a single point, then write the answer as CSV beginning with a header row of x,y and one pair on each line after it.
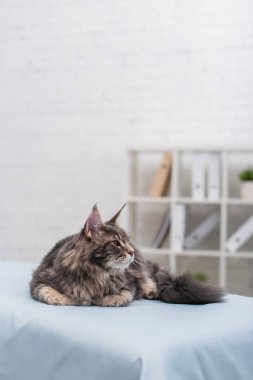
x,y
122,263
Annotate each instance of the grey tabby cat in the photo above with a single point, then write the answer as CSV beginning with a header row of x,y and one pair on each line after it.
x,y
101,266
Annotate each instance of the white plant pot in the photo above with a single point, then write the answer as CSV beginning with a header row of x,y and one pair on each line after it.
x,y
246,190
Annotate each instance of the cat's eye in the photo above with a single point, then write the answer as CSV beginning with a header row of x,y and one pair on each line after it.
x,y
116,243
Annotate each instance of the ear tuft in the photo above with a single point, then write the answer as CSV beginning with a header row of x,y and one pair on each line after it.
x,y
95,208
92,223
114,219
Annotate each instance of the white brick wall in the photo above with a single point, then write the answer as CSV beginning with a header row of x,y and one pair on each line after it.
x,y
82,80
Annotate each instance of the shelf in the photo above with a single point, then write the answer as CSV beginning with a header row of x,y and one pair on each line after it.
x,y
204,253
146,213
147,199
154,251
188,200
239,201
200,253
240,255
148,150
197,201
190,150
164,251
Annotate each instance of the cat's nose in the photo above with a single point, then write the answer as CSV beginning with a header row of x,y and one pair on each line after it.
x,y
130,251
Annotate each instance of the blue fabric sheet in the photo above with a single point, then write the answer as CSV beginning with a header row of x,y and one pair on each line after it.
x,y
147,340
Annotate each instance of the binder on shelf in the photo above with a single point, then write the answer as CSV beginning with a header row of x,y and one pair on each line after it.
x,y
213,176
202,230
198,176
163,231
179,227
240,236
160,183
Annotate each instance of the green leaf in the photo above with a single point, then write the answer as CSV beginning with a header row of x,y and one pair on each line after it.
x,y
200,277
246,175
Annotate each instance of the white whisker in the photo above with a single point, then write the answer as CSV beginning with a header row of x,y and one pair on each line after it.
x,y
137,261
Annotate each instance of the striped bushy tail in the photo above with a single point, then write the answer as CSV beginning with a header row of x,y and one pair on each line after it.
x,y
184,289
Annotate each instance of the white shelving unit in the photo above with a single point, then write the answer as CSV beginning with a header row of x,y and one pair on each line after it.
x,y
139,175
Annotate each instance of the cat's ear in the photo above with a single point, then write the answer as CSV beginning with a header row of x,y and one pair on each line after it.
x,y
114,219
92,223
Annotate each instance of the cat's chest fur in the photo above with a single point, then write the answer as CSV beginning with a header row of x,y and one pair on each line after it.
x,y
90,285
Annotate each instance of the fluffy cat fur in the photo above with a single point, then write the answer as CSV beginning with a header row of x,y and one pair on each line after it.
x,y
101,266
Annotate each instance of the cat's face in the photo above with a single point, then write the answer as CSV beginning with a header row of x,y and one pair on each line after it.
x,y
111,247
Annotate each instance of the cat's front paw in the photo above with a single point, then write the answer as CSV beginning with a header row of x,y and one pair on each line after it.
x,y
113,300
125,297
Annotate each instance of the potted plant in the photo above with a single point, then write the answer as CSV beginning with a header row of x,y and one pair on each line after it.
x,y
202,277
246,190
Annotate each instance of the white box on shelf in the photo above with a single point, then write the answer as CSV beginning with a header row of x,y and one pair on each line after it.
x,y
179,227
198,176
202,230
213,176
240,236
